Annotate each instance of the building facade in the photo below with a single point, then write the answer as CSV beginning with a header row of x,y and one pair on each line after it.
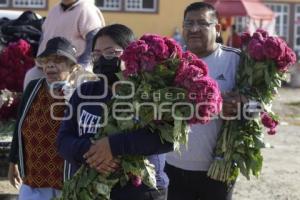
x,y
286,23
40,6
143,16
164,16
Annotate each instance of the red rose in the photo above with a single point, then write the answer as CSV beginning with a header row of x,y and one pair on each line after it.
x,y
245,38
274,48
15,60
174,47
286,60
255,49
272,131
263,33
269,122
135,180
258,36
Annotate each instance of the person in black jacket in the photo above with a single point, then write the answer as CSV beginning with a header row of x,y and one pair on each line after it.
x,y
34,139
86,112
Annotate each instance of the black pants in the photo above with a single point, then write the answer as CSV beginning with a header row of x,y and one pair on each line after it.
x,y
195,185
130,192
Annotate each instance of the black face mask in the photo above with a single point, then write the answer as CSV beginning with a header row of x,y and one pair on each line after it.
x,y
109,68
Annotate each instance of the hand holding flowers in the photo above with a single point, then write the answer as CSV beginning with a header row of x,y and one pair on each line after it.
x,y
100,157
264,62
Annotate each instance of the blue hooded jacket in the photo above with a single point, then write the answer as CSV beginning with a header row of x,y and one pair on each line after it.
x,y
84,113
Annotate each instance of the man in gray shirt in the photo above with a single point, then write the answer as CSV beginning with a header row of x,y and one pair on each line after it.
x,y
187,172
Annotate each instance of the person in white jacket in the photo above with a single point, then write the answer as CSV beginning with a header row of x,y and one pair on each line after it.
x,y
77,20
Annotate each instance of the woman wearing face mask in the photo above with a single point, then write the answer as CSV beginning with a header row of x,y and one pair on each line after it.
x,y
34,140
108,46
74,142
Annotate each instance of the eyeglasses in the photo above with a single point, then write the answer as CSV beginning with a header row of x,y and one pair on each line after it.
x,y
56,59
188,24
109,54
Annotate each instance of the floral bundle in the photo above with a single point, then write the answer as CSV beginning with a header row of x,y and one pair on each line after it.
x,y
171,89
264,62
15,60
9,102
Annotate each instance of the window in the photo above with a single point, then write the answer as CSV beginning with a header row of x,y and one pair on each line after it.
x,y
241,24
29,3
297,30
141,5
108,4
282,19
3,3
128,5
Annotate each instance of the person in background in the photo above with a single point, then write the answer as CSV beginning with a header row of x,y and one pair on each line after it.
x,y
74,142
219,39
178,37
235,39
188,171
34,140
77,20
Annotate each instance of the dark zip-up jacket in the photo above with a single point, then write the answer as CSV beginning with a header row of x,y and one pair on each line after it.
x,y
16,150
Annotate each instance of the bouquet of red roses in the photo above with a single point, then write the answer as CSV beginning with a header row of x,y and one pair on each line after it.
x,y
264,62
15,60
163,78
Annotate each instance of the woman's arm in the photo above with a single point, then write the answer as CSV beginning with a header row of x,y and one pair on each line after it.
x,y
139,142
72,142
85,58
103,152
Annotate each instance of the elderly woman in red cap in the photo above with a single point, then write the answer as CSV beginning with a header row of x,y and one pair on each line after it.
x,y
33,146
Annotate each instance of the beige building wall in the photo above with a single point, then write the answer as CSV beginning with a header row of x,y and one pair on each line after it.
x,y
169,16
51,3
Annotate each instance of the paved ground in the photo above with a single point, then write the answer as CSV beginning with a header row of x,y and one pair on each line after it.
x,y
280,178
